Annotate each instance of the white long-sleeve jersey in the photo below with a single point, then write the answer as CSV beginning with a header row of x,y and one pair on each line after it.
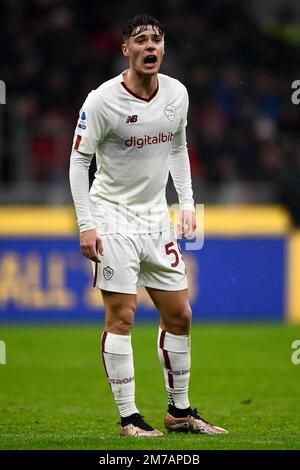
x,y
137,142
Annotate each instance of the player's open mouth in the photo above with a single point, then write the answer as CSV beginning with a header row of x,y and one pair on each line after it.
x,y
150,60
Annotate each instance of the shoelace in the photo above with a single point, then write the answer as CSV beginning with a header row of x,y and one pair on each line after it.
x,y
138,421
194,413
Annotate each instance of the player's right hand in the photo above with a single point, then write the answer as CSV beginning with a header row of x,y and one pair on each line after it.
x,y
91,245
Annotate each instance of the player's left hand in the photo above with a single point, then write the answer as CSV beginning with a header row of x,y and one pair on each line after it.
x,y
187,223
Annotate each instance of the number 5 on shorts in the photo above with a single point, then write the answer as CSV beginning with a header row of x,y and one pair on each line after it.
x,y
172,251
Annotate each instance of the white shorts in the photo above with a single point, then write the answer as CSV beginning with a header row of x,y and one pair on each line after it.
x,y
132,260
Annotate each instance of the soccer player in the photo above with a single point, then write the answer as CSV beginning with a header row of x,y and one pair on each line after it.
x,y
135,123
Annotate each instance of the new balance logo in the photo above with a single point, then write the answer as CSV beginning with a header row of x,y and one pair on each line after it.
x,y
132,118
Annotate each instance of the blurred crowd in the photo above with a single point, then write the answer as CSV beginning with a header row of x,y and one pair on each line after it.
x,y
243,125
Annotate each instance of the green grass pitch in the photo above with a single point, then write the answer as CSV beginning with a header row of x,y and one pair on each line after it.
x,y
54,394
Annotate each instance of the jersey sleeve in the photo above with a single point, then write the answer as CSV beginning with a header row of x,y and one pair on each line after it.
x,y
92,125
179,162
184,110
79,182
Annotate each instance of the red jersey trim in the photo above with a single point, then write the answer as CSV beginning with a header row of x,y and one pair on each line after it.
x,y
103,351
166,358
95,275
140,97
77,142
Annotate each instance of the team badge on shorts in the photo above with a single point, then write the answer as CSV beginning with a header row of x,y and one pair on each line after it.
x,y
108,272
170,112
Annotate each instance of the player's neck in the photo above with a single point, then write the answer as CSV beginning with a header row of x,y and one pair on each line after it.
x,y
141,85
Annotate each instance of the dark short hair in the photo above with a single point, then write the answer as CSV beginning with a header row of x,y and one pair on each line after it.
x,y
139,23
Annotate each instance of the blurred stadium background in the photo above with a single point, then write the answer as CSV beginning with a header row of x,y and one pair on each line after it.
x,y
238,60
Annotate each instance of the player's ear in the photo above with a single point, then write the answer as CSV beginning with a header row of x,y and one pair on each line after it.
x,y
125,49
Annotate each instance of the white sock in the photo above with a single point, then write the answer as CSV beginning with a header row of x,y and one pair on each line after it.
x,y
118,363
174,354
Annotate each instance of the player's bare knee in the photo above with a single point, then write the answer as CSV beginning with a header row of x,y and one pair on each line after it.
x,y
119,319
179,322
187,314
124,321
183,320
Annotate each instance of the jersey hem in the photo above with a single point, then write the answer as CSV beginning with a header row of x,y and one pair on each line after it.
x,y
136,233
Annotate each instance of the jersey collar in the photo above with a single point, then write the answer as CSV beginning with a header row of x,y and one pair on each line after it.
x,y
147,100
